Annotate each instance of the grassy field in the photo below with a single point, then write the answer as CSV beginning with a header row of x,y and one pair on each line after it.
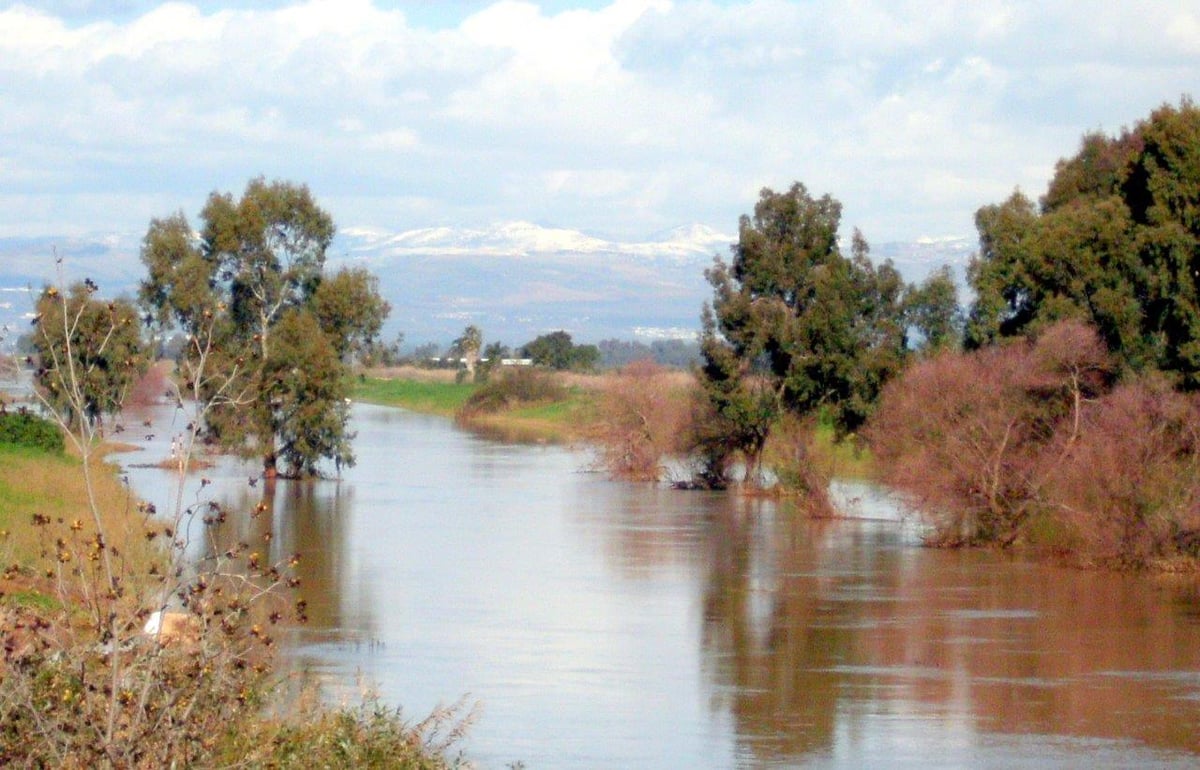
x,y
435,392
561,422
33,481
430,397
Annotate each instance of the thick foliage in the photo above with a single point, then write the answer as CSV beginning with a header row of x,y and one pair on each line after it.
x,y
795,326
1006,442
303,394
556,350
22,428
254,303
350,311
1115,242
93,342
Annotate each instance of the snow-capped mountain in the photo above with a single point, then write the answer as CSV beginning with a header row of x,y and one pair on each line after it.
x,y
525,239
515,280
916,259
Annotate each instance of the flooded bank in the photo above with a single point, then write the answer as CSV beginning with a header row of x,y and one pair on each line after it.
x,y
601,624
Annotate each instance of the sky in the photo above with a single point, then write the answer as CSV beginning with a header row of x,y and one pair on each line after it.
x,y
620,119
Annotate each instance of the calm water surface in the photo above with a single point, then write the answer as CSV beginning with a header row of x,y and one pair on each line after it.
x,y
606,625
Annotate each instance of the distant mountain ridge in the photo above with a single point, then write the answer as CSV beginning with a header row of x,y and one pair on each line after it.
x,y
515,280
524,239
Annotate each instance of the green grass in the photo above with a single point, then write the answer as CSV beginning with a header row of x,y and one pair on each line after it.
x,y
426,397
559,420
34,599
36,481
577,406
26,482
554,421
847,458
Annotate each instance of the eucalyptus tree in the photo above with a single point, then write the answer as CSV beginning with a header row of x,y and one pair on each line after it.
x,y
795,326
89,352
250,293
1114,242
351,311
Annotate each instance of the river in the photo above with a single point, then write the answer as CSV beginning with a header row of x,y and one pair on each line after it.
x,y
609,625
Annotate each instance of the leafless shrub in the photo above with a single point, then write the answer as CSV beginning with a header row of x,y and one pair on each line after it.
x,y
957,433
1130,490
990,443
641,418
1068,367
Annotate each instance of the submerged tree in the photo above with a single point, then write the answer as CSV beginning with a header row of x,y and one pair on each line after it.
x,y
252,298
795,326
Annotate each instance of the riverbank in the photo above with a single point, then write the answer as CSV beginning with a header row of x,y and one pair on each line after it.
x,y
568,418
85,563
561,416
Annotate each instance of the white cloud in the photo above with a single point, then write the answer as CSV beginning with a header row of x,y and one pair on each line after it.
x,y
619,119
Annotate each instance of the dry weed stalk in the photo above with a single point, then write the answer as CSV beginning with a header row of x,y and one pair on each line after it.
x,y
82,685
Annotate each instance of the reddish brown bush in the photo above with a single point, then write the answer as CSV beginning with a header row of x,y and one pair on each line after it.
x,y
955,432
1130,486
641,418
993,441
152,387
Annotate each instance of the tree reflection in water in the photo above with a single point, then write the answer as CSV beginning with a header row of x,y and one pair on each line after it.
x,y
817,632
753,636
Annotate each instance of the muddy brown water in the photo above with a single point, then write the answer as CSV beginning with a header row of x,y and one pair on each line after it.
x,y
609,625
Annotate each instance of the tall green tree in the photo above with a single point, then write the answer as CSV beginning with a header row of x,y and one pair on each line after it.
x,y
1115,242
351,311
556,350
89,352
551,350
931,309
795,325
251,295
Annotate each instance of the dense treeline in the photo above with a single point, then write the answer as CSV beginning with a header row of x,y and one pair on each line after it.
x,y
1059,410
1072,421
1115,242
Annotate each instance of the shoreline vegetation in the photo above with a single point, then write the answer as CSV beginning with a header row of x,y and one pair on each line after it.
x,y
570,408
1059,414
579,409
83,684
